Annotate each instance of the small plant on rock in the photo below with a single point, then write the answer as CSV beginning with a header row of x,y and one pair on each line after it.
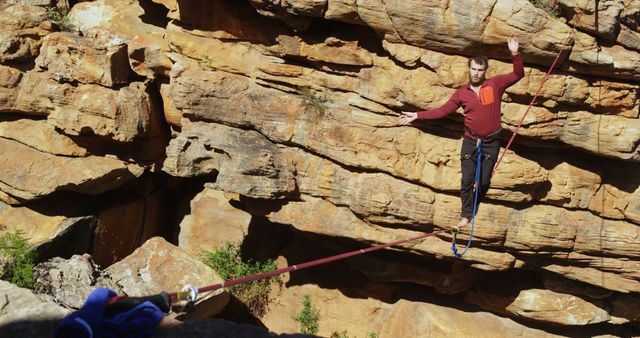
x,y
308,317
59,19
317,104
228,263
20,257
205,63
549,6
342,334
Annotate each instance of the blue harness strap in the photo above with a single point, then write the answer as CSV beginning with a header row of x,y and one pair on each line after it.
x,y
475,204
89,321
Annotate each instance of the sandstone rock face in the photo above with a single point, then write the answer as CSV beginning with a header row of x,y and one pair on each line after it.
x,y
50,235
212,222
69,282
23,26
9,79
330,140
95,61
24,313
122,114
159,266
286,113
603,21
264,173
33,174
41,136
394,319
469,26
122,20
121,230
545,306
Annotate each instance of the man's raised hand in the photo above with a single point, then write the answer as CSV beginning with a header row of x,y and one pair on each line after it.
x,y
407,117
513,44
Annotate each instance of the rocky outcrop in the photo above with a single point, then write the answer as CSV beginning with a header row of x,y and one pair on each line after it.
x,y
96,61
68,281
40,174
212,222
124,21
23,27
50,235
264,173
461,26
122,114
159,266
393,319
545,306
24,313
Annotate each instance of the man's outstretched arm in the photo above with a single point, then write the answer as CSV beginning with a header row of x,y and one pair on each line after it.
x,y
444,110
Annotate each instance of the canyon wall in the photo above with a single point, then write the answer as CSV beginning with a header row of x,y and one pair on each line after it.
x,y
274,123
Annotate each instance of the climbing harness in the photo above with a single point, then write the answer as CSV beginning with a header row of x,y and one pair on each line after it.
x,y
456,229
495,135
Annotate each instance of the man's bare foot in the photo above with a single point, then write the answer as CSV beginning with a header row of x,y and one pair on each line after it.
x,y
463,222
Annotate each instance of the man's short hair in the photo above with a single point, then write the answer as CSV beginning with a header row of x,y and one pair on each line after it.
x,y
480,60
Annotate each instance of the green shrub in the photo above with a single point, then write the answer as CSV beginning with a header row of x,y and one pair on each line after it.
x,y
342,334
59,19
205,62
317,104
308,317
21,253
549,6
228,263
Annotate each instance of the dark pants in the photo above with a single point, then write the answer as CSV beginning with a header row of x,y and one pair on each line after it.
x,y
469,158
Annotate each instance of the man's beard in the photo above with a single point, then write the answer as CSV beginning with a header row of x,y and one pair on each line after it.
x,y
476,83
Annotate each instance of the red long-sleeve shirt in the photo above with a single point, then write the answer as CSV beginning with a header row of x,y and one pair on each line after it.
x,y
482,112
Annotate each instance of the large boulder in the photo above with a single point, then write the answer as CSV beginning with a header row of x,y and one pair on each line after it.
x,y
22,27
125,21
158,266
68,281
70,58
212,222
50,235
22,313
33,174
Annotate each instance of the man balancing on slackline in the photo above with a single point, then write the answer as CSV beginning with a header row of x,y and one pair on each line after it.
x,y
480,100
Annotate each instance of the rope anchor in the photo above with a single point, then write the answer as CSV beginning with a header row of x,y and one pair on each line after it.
x,y
188,293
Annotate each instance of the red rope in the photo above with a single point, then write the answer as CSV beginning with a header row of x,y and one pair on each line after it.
x,y
301,266
513,136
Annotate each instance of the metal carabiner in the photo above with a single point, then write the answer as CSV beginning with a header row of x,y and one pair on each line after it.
x,y
188,293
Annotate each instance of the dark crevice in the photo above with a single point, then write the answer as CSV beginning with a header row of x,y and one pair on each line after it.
x,y
154,14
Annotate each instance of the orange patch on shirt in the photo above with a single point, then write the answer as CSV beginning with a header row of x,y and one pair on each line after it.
x,y
486,95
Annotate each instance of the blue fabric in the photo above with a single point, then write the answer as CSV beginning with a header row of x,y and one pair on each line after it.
x,y
88,322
